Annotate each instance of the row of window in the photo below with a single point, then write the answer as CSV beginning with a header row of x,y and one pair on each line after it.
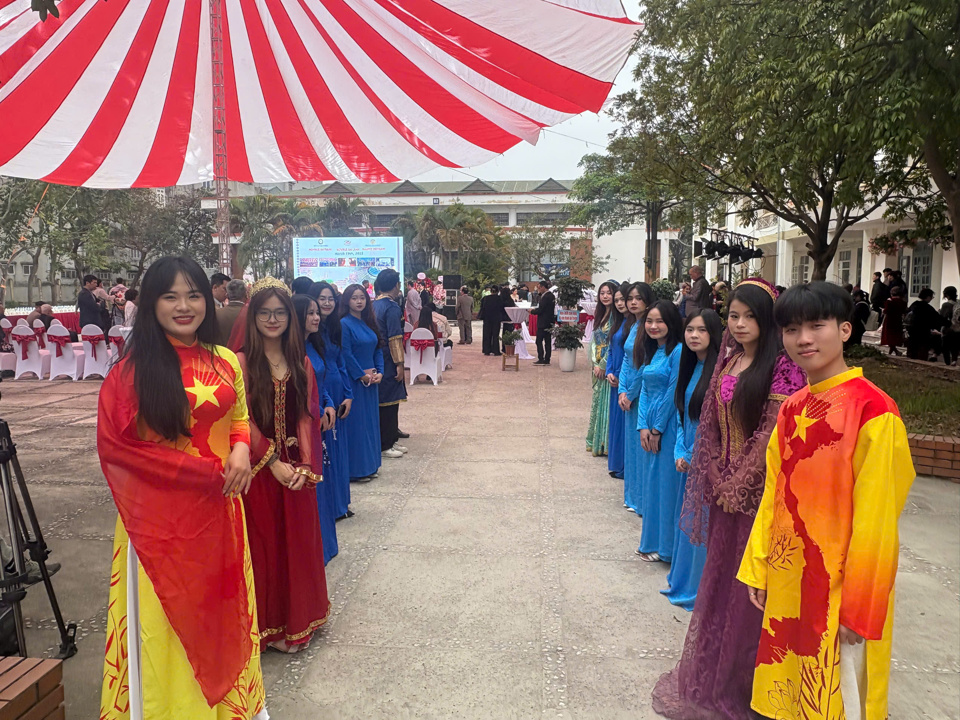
x,y
501,219
27,268
917,268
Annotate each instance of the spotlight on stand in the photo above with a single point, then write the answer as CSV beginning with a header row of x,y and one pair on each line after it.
x,y
737,254
722,249
710,250
752,253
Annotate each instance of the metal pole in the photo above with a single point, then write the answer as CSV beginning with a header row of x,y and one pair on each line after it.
x,y
220,138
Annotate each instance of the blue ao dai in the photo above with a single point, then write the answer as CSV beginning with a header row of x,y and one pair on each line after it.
x,y
336,381
361,351
630,383
324,490
615,426
688,559
661,481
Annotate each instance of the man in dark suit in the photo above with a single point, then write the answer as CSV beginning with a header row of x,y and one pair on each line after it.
x,y
87,303
227,315
546,313
491,312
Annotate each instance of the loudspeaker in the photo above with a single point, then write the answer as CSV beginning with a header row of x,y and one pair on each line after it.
x,y
452,282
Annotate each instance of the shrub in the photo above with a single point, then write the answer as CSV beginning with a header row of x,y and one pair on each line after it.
x,y
568,337
663,289
509,337
570,292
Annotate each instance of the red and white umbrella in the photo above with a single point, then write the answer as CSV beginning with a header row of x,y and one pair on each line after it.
x,y
119,93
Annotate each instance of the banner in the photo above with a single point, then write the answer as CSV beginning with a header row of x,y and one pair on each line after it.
x,y
344,261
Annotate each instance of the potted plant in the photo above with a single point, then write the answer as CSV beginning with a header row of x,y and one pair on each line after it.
x,y
567,340
570,292
509,337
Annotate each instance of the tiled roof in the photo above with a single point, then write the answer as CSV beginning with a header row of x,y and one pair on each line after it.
x,y
429,188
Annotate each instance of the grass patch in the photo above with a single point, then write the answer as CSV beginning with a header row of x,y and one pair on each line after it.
x,y
928,397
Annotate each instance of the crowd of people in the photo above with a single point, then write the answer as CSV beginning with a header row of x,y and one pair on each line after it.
x,y
769,477
230,427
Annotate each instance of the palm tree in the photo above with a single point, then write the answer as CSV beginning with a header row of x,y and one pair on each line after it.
x,y
258,218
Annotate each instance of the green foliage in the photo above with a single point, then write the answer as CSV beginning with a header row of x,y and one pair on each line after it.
x,y
570,292
663,289
567,337
453,236
548,251
769,105
862,352
509,337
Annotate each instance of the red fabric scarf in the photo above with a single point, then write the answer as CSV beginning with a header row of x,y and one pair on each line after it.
x,y
59,341
24,342
186,538
94,340
40,341
421,345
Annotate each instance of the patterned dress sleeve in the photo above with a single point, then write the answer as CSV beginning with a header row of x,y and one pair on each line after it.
x,y
753,566
884,473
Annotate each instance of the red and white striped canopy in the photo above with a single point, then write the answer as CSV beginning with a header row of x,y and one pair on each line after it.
x,y
118,93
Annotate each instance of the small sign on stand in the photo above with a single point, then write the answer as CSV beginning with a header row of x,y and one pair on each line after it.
x,y
568,316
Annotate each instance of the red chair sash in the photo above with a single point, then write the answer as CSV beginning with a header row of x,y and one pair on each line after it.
x,y
40,341
94,340
421,345
587,317
24,342
59,341
406,338
118,342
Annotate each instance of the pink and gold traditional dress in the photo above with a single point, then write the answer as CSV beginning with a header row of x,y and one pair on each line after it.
x,y
825,546
182,636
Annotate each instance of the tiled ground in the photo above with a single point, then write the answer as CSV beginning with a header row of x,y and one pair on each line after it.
x,y
488,574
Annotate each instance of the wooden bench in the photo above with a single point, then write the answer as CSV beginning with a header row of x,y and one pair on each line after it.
x,y
31,689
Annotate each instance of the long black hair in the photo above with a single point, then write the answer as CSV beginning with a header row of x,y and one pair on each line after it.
x,y
753,385
616,317
688,363
301,305
366,314
157,379
605,312
331,323
646,294
674,322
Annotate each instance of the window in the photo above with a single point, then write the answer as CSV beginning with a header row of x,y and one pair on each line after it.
x,y
801,269
382,221
843,267
68,274
544,218
922,267
501,219
859,268
26,268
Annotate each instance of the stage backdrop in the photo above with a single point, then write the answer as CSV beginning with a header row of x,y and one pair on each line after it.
x,y
343,261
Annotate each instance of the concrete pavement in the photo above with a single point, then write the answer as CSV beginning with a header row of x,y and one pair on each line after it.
x,y
490,573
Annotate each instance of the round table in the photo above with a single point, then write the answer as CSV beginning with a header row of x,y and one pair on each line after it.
x,y
518,316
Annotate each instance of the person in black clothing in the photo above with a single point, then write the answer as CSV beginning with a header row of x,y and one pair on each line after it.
x,y
506,300
861,314
87,303
491,312
924,327
878,295
523,292
546,313
951,333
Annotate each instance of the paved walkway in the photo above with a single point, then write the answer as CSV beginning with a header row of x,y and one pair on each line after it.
x,y
489,574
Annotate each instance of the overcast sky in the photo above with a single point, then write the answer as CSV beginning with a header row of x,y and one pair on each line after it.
x,y
555,155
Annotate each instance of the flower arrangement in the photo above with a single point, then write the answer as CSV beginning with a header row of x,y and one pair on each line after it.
x,y
568,337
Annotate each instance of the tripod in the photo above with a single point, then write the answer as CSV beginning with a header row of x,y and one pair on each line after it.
x,y
22,538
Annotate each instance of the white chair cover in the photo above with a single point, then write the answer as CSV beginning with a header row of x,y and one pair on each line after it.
x,y
38,325
23,321
447,357
430,365
71,361
37,361
407,329
94,365
118,339
56,321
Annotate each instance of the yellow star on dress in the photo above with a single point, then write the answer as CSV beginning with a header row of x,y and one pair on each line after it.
x,y
203,393
803,422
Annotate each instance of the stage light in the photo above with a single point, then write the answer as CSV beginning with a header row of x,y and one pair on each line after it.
x,y
710,250
722,249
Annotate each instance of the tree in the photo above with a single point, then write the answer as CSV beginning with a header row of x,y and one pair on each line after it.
x,y
769,106
260,249
548,251
915,45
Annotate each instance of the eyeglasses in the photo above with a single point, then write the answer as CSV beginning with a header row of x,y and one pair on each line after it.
x,y
268,315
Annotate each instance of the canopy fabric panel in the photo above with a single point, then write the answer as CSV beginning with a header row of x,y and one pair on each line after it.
x,y
119,93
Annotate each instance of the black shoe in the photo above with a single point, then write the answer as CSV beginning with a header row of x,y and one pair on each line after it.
x,y
402,434
486,353
497,354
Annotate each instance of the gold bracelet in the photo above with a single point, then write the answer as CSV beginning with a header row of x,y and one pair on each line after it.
x,y
312,478
266,457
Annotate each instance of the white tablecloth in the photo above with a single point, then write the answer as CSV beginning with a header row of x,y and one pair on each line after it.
x,y
520,315
589,308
